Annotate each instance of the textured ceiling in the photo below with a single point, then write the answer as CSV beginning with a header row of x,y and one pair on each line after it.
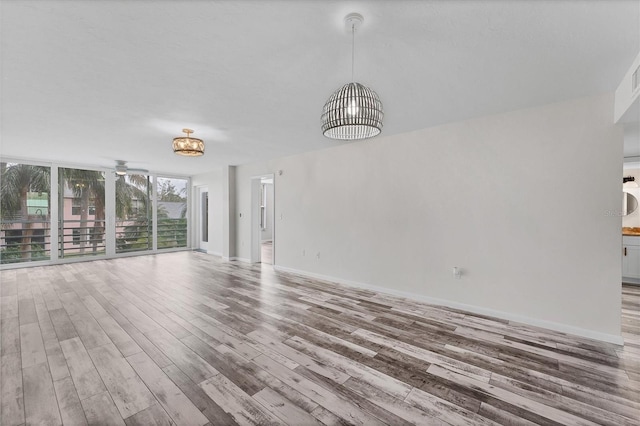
x,y
91,82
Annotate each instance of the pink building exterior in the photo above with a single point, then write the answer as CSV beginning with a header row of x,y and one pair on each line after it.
x,y
40,220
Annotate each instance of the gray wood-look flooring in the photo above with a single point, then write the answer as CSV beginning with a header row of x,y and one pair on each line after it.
x,y
185,338
266,252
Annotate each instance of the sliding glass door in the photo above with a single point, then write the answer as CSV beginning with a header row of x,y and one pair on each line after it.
x,y
81,221
25,225
134,220
172,212
93,212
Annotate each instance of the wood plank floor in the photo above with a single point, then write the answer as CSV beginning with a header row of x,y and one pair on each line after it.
x,y
266,249
184,338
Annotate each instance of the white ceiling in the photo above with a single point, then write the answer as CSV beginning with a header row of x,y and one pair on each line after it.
x,y
91,82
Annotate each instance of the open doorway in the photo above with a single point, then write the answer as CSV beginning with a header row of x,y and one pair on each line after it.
x,y
262,219
631,221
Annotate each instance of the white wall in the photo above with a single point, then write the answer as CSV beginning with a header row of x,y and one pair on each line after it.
x,y
632,140
517,200
213,180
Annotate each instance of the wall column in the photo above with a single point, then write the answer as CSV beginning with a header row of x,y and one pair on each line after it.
x,y
229,212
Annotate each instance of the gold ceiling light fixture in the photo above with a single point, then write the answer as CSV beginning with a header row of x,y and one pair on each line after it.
x,y
354,111
188,146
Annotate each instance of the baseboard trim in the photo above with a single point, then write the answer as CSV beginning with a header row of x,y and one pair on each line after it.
x,y
629,280
550,325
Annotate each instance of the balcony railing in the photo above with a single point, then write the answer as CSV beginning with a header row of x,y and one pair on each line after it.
x,y
25,240
134,236
81,238
172,233
30,240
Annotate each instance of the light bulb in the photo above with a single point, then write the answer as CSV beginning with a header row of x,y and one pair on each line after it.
x,y
352,109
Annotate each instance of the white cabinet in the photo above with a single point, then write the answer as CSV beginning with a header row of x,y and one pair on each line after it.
x,y
630,256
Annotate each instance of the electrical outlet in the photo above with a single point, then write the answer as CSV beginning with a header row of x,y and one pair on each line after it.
x,y
318,255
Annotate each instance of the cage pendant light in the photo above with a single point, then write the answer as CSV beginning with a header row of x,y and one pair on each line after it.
x,y
354,111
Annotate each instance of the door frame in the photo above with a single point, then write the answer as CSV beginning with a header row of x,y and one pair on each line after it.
x,y
256,231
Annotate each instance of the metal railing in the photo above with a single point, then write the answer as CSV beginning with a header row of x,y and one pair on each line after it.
x,y
172,233
81,238
134,236
77,238
25,240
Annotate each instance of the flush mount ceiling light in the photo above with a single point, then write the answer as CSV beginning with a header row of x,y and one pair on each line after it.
x,y
188,146
354,111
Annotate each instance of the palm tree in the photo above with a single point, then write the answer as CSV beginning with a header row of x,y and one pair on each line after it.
x,y
88,185
129,188
137,234
17,181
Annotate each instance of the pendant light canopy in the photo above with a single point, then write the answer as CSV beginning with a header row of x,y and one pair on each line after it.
x,y
188,146
354,111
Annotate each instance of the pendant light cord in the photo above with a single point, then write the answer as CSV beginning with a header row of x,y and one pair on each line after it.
x,y
353,49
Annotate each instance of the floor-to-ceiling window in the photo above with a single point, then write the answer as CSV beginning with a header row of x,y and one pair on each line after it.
x,y
25,216
81,221
172,212
134,220
50,212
